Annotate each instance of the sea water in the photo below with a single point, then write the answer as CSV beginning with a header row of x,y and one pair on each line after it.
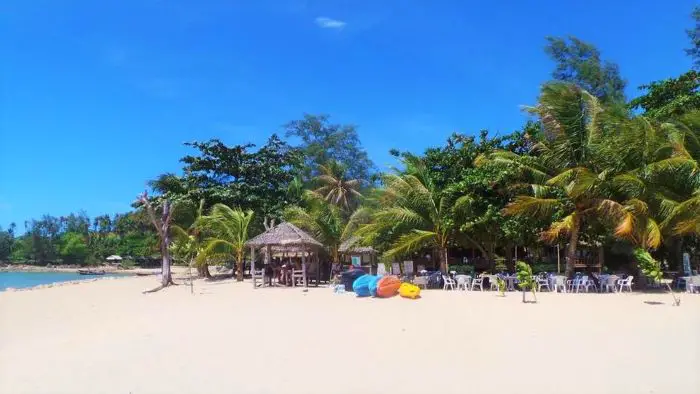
x,y
19,280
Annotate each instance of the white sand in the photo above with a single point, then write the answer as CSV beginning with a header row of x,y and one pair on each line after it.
x,y
107,337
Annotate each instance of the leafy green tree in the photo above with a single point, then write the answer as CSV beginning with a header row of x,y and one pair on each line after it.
x,y
580,63
322,142
670,98
7,240
236,176
74,249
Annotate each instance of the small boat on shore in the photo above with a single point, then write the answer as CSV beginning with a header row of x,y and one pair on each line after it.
x,y
91,272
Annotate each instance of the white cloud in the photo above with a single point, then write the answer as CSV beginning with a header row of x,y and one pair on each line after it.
x,y
329,23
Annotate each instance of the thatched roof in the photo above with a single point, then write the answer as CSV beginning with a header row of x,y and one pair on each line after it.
x,y
351,245
284,235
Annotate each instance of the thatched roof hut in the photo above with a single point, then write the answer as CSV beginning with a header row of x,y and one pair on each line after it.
x,y
282,235
352,245
288,240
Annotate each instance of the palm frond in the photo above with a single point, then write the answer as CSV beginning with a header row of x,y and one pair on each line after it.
x,y
410,242
558,229
532,206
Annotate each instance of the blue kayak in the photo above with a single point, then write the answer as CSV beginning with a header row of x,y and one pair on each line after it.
x,y
361,285
373,283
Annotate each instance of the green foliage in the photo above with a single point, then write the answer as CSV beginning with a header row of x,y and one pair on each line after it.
x,y
671,97
525,280
236,176
500,264
650,267
74,249
7,241
501,284
323,142
580,63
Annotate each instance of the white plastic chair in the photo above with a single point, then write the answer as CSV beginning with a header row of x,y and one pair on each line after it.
x,y
449,282
493,283
625,283
478,281
692,284
559,282
463,282
608,284
543,282
590,283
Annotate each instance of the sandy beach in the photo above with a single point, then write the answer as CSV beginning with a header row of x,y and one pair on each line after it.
x,y
107,337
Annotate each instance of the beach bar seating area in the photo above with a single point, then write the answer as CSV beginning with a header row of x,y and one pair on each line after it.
x,y
289,256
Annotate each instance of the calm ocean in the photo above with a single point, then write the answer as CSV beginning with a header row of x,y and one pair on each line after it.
x,y
20,280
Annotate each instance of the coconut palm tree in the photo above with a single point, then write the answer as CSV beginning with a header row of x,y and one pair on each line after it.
x,y
414,212
228,228
189,241
326,222
570,174
334,188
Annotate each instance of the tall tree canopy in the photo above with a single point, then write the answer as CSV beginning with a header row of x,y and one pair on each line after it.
x,y
322,141
580,63
670,98
236,176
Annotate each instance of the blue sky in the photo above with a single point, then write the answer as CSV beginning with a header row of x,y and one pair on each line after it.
x,y
97,97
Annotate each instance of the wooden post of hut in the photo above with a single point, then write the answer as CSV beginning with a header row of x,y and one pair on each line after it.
x,y
303,268
252,264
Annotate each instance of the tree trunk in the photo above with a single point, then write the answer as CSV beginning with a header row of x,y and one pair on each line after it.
x,y
203,271
167,277
239,266
443,260
573,243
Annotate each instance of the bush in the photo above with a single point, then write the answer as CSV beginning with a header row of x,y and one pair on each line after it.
x,y
462,269
544,267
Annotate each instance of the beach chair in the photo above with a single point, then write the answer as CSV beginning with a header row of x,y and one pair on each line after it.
x,y
559,282
421,281
608,284
478,281
408,268
463,281
448,282
298,274
692,284
542,281
259,275
625,284
493,282
395,269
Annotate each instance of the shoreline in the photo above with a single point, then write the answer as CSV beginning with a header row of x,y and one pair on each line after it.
x,y
131,273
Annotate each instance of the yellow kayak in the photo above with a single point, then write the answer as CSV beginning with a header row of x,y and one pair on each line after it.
x,y
409,290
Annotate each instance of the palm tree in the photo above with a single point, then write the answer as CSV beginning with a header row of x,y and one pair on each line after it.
x,y
228,228
414,212
334,188
326,222
189,241
570,174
